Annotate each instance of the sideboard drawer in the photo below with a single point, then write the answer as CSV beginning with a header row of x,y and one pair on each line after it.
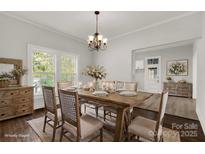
x,y
23,105
9,93
15,102
179,89
23,100
26,92
6,112
23,110
5,102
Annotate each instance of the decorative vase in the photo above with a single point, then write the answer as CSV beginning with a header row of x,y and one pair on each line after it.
x,y
97,85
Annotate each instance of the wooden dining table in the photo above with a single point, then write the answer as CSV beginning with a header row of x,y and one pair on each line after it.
x,y
122,104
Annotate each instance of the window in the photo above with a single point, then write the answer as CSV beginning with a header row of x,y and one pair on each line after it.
x,y
152,61
152,73
68,68
46,67
43,68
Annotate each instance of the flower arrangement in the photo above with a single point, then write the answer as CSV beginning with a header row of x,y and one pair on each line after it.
x,y
96,72
177,68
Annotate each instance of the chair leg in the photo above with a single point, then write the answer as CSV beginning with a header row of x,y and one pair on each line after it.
x,y
101,135
54,131
129,137
110,115
84,108
44,125
96,111
104,115
61,135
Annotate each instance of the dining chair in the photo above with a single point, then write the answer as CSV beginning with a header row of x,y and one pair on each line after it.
x,y
95,105
130,86
81,127
149,129
52,112
64,85
120,85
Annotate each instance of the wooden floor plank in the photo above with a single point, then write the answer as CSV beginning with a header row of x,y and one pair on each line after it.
x,y
177,106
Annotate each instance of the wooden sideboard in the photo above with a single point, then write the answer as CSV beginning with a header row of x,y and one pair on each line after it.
x,y
179,89
15,102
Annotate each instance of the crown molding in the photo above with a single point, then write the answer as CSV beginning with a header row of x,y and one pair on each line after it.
x,y
154,25
178,43
82,41
44,27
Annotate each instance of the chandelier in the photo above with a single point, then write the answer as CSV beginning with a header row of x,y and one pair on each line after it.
x,y
96,41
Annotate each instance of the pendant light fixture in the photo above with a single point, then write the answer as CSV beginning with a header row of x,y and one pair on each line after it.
x,y
96,41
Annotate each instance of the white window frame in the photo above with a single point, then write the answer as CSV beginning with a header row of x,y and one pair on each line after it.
x,y
31,48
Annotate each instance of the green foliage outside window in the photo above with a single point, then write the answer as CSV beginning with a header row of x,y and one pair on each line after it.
x,y
67,68
43,62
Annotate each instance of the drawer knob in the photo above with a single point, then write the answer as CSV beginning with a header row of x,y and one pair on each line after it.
x,y
3,114
12,93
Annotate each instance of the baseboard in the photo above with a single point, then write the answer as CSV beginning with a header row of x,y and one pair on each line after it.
x,y
201,118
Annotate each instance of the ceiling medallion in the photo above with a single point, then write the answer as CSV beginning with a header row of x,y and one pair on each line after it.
x,y
96,41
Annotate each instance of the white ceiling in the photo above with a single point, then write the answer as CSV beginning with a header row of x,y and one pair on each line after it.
x,y
80,24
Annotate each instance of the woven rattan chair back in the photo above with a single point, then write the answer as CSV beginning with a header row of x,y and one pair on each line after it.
x,y
132,86
64,85
70,107
119,85
49,98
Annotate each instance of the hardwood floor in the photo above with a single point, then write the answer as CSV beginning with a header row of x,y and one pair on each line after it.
x,y
18,130
177,106
190,130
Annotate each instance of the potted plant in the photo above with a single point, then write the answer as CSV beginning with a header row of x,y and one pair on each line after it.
x,y
11,78
96,72
16,74
4,79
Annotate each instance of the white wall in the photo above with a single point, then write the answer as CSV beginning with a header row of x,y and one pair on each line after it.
x,y
15,35
200,49
117,58
194,94
166,54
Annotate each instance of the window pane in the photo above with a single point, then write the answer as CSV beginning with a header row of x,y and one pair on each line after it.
x,y
43,71
152,73
68,68
42,80
43,62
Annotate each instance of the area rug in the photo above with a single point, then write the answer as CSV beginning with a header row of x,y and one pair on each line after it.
x,y
37,125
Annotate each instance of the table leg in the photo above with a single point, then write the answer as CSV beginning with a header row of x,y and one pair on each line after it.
x,y
119,124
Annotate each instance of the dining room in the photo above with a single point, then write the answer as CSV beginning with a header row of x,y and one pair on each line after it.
x,y
103,82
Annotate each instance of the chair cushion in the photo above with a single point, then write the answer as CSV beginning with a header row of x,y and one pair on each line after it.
x,y
144,127
88,124
52,116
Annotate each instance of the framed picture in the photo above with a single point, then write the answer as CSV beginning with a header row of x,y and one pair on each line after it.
x,y
177,68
